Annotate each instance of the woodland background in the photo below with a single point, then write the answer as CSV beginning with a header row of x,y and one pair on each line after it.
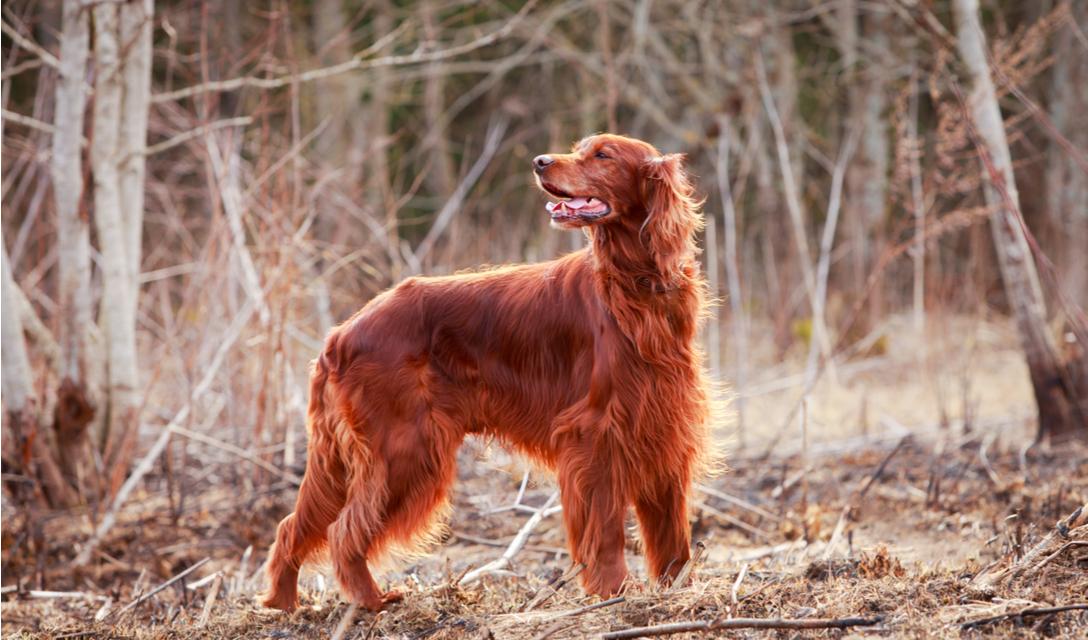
x,y
194,192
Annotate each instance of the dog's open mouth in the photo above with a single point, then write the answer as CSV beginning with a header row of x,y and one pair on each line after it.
x,y
570,208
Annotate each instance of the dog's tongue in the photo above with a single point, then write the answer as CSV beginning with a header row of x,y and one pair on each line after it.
x,y
577,203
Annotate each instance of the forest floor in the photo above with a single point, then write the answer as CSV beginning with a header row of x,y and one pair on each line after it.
x,y
951,527
924,523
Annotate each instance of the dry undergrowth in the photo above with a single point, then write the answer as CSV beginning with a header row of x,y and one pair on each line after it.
x,y
943,537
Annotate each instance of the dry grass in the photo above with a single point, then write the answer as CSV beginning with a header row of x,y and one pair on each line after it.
x,y
931,521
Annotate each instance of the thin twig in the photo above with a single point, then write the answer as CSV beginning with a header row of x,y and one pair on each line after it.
x,y
164,585
740,502
740,623
854,500
589,607
356,63
239,452
182,138
552,587
736,522
1033,611
345,622
141,469
684,575
30,45
210,602
504,562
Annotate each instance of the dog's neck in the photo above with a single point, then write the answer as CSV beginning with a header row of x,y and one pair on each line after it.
x,y
629,255
642,292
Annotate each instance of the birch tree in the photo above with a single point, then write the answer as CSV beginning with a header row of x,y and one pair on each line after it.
x,y
30,454
122,98
77,396
1059,414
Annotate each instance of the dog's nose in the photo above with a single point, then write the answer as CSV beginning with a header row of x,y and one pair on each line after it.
x,y
540,163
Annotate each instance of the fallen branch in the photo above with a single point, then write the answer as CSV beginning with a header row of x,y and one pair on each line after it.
x,y
504,562
345,622
62,595
206,613
739,623
552,587
736,522
739,502
1033,611
589,607
1035,556
563,623
685,571
162,586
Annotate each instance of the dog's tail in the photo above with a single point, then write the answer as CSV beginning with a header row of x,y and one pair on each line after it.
x,y
322,493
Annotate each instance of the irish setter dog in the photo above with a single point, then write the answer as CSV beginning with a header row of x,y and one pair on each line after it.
x,y
588,364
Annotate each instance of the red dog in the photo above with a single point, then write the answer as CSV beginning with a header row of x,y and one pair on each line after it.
x,y
588,363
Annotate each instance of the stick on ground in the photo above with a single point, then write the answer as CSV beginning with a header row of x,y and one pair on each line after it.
x,y
739,623
164,585
1023,613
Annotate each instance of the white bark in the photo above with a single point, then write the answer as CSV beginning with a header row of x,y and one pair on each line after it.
x,y
738,318
17,377
20,399
73,229
135,30
1017,267
122,98
917,195
713,327
793,206
441,177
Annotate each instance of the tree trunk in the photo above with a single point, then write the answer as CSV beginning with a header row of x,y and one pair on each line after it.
x,y
1059,415
1066,182
29,455
867,176
122,97
379,185
77,395
441,177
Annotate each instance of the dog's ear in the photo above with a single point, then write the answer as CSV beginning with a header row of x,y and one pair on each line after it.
x,y
672,213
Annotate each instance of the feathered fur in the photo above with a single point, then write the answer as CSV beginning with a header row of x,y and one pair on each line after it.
x,y
589,364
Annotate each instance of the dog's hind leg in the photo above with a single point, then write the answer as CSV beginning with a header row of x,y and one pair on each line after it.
x,y
351,535
394,500
320,499
421,466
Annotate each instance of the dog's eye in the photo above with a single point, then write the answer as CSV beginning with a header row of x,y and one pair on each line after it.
x,y
601,155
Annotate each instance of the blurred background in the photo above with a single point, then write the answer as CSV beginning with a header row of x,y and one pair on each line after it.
x,y
896,197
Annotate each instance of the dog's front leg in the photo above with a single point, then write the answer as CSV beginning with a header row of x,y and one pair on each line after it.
x,y
663,519
594,505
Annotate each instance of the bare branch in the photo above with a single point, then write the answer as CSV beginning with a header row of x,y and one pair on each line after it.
x,y
357,63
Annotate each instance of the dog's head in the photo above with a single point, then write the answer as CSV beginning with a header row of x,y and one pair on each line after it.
x,y
608,178
604,178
